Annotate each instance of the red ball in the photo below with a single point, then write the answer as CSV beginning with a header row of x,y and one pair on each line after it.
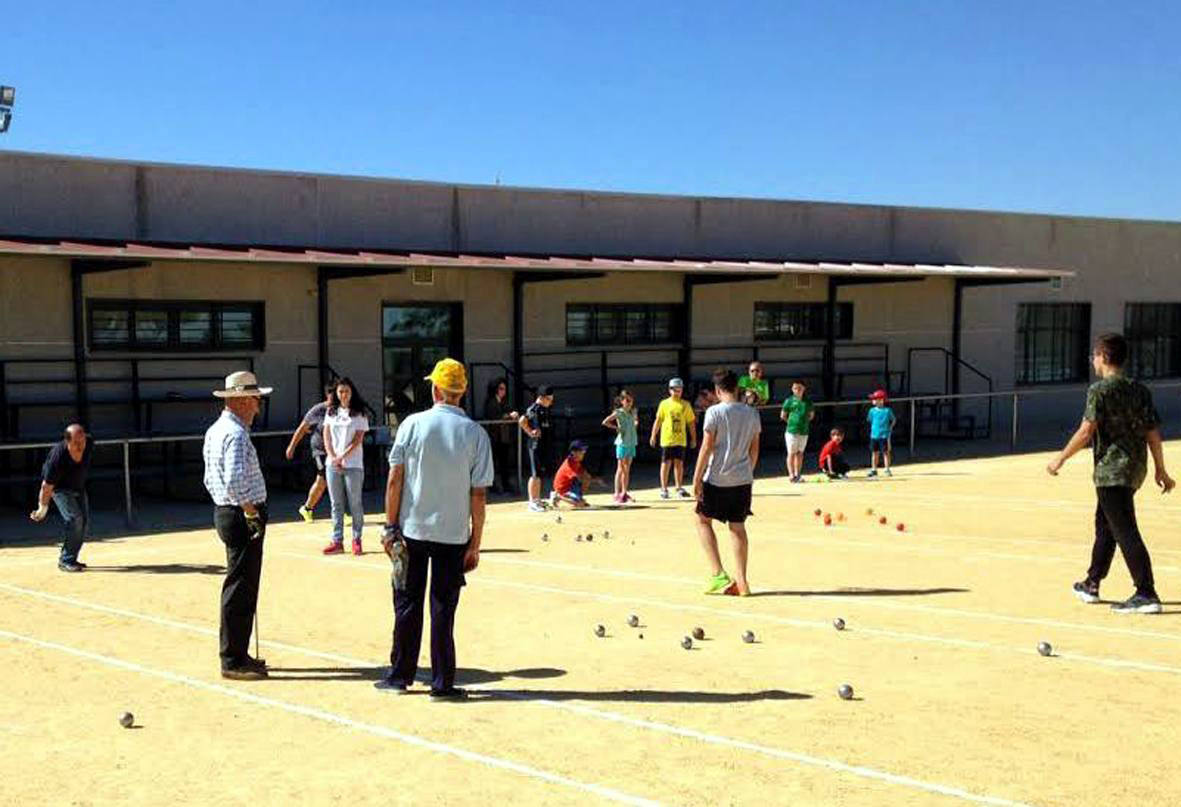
x,y
816,512
827,520
901,527
882,520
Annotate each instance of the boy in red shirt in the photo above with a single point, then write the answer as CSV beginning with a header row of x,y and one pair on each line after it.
x,y
570,478
831,461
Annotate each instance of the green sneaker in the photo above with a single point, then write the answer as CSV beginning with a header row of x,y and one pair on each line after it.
x,y
718,584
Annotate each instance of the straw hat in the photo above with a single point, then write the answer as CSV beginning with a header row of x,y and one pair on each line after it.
x,y
241,384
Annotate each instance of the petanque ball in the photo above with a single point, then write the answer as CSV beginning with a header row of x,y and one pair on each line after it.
x,y
882,520
816,512
901,527
838,623
633,621
687,643
748,636
699,633
827,520
590,536
127,720
845,691
600,631
1045,649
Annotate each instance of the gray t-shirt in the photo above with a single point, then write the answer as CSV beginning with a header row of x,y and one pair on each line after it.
x,y
734,426
315,421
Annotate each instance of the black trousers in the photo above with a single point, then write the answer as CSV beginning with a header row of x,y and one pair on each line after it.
x,y
1115,524
446,565
239,591
839,466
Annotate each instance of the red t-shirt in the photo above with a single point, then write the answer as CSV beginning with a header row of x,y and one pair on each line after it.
x,y
566,476
831,449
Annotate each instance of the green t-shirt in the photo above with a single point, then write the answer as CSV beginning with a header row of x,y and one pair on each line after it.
x,y
1123,413
798,411
761,387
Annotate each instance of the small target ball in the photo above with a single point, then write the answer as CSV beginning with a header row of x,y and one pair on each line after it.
x,y
840,516
838,623
558,520
869,511
641,636
748,637
545,536
816,512
882,520
1045,649
600,631
845,691
590,536
578,537
827,520
699,633
901,527
126,720
633,621
606,535
687,643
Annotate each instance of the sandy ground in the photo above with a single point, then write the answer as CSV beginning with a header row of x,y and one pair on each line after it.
x,y
953,701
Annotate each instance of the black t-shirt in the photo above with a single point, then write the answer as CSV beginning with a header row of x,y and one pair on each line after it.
x,y
315,420
538,417
62,472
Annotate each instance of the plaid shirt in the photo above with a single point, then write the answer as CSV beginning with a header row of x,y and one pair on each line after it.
x,y
232,473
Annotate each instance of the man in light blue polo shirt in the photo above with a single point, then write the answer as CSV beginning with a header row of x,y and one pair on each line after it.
x,y
440,465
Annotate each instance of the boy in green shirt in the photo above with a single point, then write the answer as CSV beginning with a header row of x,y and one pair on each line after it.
x,y
797,413
1120,422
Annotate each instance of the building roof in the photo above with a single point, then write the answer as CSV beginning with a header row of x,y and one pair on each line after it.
x,y
96,250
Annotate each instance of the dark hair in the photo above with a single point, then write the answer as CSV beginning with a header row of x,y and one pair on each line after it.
x,y
544,389
494,385
837,430
357,405
725,380
1113,347
801,382
619,398
330,389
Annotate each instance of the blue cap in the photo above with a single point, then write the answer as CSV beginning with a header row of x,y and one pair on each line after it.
x,y
578,445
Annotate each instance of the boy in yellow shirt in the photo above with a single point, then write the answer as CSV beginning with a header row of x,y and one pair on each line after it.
x,y
676,425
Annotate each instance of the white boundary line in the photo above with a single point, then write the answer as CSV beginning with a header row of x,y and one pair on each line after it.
x,y
608,793
519,695
781,620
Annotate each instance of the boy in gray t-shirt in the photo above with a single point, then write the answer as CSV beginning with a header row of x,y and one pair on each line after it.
x,y
723,478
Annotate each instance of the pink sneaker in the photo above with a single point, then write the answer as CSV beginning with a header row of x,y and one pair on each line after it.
x,y
334,549
357,546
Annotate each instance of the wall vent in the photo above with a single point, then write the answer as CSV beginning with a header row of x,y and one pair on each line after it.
x,y
422,276
803,281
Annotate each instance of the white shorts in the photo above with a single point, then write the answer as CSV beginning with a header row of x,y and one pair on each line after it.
x,y
796,443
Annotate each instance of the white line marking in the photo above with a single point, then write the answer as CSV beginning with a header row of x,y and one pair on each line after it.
x,y
525,697
608,793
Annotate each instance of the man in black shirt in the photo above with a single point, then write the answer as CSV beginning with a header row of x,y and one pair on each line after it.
x,y
63,479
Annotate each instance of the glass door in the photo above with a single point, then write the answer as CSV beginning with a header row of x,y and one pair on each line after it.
x,y
414,337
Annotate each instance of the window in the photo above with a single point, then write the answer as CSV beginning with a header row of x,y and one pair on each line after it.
x,y
623,324
1053,342
167,326
1154,339
800,321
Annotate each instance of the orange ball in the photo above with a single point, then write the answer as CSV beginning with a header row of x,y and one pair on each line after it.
x,y
901,527
882,520
827,520
816,512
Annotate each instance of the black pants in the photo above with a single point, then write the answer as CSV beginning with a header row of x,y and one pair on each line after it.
x,y
839,466
505,464
239,592
1115,524
446,564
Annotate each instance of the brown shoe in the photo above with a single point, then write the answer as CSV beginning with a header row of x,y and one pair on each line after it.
x,y
244,673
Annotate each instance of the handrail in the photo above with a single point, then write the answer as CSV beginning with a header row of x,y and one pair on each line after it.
x,y
958,359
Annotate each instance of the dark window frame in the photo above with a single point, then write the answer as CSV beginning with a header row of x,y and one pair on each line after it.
x,y
644,319
1154,342
812,313
1065,328
174,309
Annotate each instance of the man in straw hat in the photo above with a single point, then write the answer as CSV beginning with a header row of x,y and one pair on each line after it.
x,y
235,482
440,465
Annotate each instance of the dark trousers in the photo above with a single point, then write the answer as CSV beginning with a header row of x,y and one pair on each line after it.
x,y
1115,524
839,466
74,507
239,591
504,461
446,565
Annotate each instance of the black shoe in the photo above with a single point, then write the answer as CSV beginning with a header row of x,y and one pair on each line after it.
x,y
252,663
391,684
70,566
244,673
1087,591
1138,604
449,694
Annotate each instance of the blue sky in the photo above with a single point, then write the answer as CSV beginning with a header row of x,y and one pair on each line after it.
x,y
1040,105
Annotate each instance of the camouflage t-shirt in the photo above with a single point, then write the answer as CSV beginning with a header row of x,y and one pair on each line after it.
x,y
1123,411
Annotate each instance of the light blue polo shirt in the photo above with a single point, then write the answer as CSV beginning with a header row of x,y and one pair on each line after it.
x,y
445,454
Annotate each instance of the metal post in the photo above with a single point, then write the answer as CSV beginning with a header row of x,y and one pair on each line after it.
x,y
913,426
1014,443
603,380
127,481
520,477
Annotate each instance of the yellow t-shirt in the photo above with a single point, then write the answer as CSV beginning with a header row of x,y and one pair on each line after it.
x,y
675,416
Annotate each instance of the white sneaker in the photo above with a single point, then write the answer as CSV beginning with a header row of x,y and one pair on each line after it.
x,y
664,494
536,507
889,472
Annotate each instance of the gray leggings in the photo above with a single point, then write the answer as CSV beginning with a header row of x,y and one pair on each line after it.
x,y
344,489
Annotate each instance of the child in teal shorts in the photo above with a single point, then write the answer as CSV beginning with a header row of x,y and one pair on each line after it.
x,y
624,421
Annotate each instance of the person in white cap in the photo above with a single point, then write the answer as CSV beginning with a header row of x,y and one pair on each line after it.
x,y
235,482
675,425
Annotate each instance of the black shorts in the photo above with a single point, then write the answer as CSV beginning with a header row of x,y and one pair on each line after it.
x,y
672,453
881,444
539,461
731,505
320,461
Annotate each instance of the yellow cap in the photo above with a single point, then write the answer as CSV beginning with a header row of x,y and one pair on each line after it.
x,y
449,376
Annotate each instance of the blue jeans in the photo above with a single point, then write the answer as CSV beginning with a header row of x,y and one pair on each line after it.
x,y
75,512
344,489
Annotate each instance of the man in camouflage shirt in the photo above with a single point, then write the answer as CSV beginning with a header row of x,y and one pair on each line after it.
x,y
1122,426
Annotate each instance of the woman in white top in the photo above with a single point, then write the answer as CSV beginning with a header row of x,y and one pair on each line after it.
x,y
344,428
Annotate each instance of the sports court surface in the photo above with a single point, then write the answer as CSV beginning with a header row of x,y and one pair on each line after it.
x,y
953,702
